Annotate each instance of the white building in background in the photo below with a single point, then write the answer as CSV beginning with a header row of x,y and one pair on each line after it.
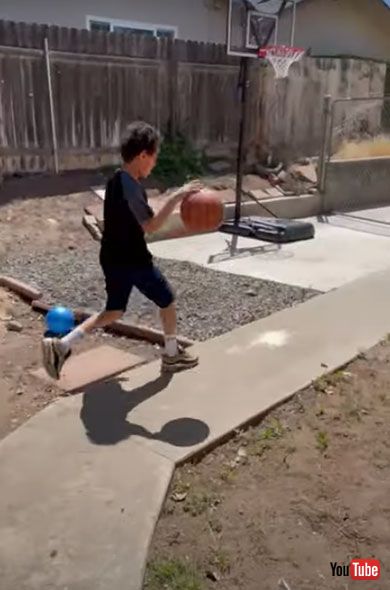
x,y
327,27
200,20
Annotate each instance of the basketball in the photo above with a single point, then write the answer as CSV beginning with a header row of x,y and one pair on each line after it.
x,y
202,211
59,321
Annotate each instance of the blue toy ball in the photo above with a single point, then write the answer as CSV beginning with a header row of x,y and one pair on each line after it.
x,y
60,321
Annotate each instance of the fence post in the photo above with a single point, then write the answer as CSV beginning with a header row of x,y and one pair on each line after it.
x,y
173,82
327,117
51,104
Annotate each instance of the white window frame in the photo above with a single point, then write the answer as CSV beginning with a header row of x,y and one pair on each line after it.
x,y
113,22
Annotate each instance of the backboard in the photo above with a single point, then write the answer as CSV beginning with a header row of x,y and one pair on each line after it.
x,y
255,23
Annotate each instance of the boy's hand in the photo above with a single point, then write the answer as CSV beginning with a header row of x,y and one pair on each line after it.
x,y
154,224
188,189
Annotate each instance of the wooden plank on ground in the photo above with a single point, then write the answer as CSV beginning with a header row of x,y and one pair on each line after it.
x,y
92,366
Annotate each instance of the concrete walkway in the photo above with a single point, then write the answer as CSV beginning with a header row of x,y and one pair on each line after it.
x,y
335,257
83,482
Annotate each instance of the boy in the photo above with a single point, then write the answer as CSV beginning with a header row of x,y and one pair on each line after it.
x,y
124,255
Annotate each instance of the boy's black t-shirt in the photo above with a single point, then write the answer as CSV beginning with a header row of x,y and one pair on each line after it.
x,y
125,210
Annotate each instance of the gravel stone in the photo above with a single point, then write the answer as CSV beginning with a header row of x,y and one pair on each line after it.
x,y
14,326
209,302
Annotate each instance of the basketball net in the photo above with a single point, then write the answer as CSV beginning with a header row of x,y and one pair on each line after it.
x,y
281,57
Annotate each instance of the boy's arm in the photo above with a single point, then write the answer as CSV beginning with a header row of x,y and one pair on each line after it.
x,y
157,221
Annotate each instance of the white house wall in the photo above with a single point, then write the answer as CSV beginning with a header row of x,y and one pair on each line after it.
x,y
200,20
343,27
328,27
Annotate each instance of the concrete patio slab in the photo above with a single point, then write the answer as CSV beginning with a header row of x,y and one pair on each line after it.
x,y
73,514
381,214
92,366
336,256
242,374
373,221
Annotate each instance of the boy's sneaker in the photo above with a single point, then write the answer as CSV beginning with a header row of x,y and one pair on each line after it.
x,y
54,356
182,361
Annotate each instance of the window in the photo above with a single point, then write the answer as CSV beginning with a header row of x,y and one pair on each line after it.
x,y
133,31
121,26
165,33
97,25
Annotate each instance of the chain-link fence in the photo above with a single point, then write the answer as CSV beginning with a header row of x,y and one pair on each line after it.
x,y
355,161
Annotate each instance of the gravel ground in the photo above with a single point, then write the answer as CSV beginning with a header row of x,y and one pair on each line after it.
x,y
210,302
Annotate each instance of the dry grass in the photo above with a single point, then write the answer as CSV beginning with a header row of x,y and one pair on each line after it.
x,y
369,148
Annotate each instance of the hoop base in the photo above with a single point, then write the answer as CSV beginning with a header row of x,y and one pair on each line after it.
x,y
276,231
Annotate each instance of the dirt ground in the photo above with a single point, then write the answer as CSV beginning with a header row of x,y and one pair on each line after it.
x,y
44,223
272,508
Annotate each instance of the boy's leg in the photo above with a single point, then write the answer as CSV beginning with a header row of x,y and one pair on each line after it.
x,y
56,351
99,320
151,282
169,324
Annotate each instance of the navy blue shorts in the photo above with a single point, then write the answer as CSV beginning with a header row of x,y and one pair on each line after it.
x,y
148,280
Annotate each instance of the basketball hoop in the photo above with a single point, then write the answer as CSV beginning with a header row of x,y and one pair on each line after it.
x,y
281,57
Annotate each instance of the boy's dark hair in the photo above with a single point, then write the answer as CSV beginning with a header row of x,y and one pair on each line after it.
x,y
139,137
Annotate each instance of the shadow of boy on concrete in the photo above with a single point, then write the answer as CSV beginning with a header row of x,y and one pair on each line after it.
x,y
107,405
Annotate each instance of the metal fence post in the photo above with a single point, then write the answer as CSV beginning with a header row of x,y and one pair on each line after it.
x,y
51,104
327,110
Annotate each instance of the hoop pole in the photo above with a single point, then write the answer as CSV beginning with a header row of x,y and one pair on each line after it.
x,y
294,21
326,137
243,85
244,81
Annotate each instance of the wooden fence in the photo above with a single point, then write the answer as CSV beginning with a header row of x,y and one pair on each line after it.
x,y
102,81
